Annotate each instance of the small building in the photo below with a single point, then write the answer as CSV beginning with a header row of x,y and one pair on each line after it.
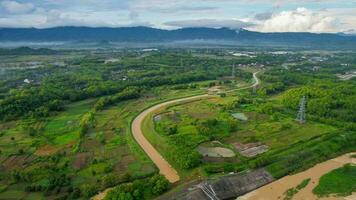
x,y
215,90
240,116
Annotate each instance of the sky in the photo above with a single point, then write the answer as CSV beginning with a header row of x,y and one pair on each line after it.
x,y
256,15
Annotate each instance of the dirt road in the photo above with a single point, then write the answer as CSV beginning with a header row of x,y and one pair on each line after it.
x,y
275,190
164,167
255,84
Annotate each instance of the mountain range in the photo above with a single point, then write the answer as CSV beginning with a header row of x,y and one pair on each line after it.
x,y
149,35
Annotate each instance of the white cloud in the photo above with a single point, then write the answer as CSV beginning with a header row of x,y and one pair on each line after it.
x,y
14,7
299,20
42,18
257,15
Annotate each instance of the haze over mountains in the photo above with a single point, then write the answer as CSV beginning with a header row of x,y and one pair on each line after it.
x,y
152,35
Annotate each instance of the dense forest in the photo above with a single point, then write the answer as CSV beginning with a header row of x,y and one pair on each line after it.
x,y
90,78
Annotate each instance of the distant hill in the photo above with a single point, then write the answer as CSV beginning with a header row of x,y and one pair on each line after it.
x,y
27,51
125,34
147,34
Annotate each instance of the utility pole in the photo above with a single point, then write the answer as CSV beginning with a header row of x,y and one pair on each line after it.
x,y
301,112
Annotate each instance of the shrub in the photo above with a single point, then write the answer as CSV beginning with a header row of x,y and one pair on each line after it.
x,y
89,190
341,181
154,186
159,184
109,180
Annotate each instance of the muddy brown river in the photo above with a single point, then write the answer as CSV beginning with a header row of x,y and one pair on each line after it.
x,y
275,190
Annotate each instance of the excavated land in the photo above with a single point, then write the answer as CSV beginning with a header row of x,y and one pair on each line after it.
x,y
226,187
251,149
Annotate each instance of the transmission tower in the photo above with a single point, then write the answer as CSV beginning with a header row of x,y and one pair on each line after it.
x,y
301,112
233,71
254,89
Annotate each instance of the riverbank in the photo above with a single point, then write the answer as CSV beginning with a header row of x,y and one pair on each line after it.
x,y
276,189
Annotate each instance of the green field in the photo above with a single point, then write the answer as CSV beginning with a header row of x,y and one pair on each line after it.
x,y
67,133
276,133
108,149
63,128
289,194
339,182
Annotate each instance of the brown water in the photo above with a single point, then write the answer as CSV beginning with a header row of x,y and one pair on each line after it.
x,y
276,189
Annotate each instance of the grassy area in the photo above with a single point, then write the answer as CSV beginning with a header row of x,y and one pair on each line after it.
x,y
339,182
289,194
279,133
180,126
163,145
63,128
305,154
108,148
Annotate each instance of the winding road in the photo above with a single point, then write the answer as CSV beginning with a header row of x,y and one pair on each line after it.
x,y
164,167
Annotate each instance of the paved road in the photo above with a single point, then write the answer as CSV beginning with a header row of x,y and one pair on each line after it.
x,y
164,167
255,84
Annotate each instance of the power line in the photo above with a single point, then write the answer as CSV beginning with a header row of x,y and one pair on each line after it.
x,y
208,190
301,112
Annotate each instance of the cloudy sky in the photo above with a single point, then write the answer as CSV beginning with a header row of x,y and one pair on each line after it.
x,y
257,15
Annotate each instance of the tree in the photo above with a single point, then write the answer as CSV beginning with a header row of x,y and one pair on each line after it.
x,y
89,190
159,184
222,95
173,130
86,122
109,180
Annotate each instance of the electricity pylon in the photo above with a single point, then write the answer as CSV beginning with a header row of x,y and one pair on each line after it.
x,y
301,112
233,71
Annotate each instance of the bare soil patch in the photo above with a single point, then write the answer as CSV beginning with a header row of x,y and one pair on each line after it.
x,y
90,143
157,118
172,115
216,152
46,150
257,116
226,187
81,160
215,90
202,115
16,162
207,159
7,125
251,149
240,116
123,164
